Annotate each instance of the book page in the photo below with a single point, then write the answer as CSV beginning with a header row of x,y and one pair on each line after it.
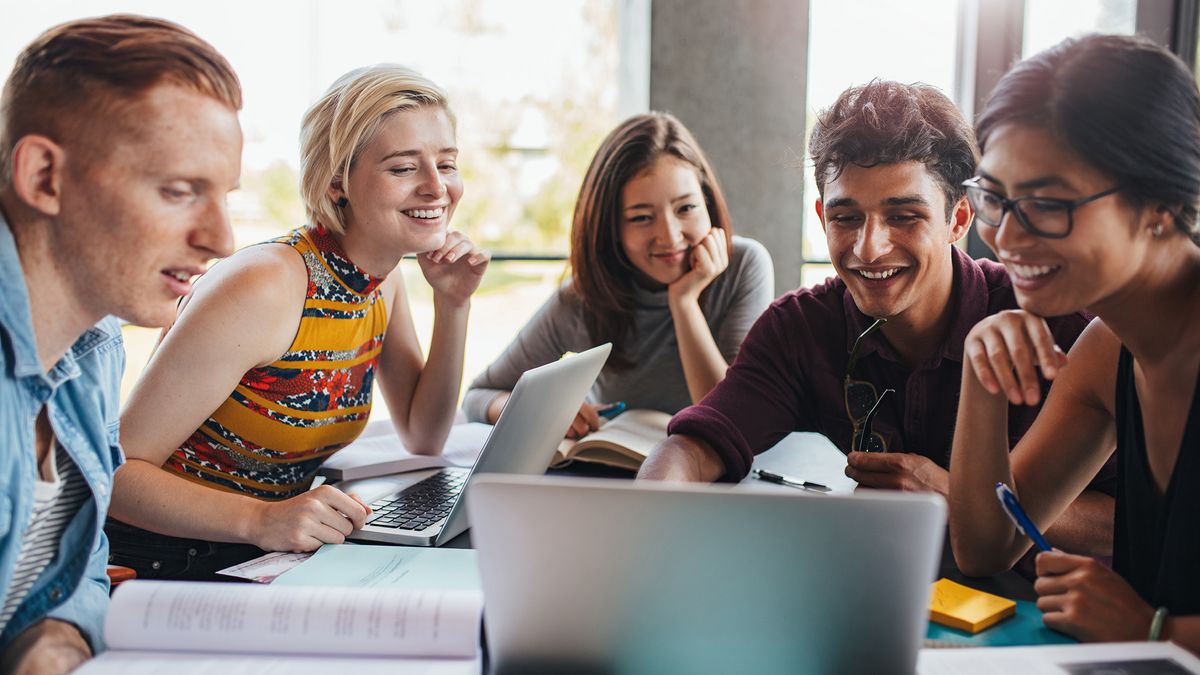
x,y
156,663
248,618
635,432
374,456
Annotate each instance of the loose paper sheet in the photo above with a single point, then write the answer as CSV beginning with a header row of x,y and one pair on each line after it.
x,y
366,566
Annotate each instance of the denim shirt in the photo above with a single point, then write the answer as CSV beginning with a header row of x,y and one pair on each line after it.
x,y
81,394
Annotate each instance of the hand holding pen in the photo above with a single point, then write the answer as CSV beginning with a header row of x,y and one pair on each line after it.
x,y
590,415
1080,596
612,410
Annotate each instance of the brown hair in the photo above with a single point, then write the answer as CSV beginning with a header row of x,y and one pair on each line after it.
x,y
602,277
77,69
885,122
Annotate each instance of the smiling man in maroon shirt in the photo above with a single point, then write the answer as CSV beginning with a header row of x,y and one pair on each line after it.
x,y
890,160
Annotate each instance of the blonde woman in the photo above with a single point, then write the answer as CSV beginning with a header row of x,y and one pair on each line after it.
x,y
270,366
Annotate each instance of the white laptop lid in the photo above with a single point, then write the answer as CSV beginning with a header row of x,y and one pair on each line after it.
x,y
535,419
614,576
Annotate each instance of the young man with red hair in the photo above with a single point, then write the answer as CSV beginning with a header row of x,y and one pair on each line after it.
x,y
119,141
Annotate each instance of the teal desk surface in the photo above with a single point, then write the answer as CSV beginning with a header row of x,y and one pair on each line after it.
x,y
1025,628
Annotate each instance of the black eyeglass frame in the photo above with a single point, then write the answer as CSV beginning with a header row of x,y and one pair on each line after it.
x,y
861,440
1006,205
862,422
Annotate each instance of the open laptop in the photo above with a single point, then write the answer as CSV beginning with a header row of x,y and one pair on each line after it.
x,y
430,510
608,576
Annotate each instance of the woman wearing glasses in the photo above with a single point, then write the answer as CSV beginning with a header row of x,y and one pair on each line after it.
x,y
655,269
1087,192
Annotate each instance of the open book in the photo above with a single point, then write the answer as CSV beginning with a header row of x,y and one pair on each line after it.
x,y
623,442
378,451
194,627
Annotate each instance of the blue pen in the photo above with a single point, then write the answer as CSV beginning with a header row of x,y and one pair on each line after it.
x,y
1013,508
611,411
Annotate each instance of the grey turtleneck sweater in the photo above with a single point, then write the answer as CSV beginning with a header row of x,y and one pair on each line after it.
x,y
732,304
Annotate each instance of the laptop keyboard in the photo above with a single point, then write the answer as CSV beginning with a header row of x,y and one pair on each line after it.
x,y
420,505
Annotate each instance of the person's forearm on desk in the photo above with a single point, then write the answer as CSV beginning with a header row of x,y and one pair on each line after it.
x,y
151,498
1086,527
45,648
682,458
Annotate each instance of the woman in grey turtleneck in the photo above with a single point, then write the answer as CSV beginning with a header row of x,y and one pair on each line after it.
x,y
655,269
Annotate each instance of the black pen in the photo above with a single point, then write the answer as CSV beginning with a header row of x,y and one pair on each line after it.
x,y
778,479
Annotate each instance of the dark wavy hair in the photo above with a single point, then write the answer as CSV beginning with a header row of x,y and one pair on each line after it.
x,y
602,277
1125,105
885,122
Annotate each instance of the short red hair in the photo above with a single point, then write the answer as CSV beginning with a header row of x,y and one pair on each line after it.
x,y
74,73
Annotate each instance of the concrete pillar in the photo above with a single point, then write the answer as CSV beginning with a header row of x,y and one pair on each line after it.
x,y
736,74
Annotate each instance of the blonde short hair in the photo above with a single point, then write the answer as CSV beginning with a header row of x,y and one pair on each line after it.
x,y
338,126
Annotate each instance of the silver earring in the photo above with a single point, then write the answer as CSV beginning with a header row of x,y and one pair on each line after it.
x,y
1157,231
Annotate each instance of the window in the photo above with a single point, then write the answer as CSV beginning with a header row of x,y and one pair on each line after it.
x,y
527,124
1047,22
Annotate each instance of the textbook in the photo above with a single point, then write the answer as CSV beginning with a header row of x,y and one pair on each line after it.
x,y
957,606
622,442
193,627
378,451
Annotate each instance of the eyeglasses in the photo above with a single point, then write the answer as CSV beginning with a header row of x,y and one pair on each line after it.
x,y
1041,216
862,401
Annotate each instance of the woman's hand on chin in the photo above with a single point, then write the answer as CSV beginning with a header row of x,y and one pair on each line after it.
x,y
1006,350
455,269
709,259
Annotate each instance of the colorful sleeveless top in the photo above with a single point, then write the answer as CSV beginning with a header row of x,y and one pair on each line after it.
x,y
284,419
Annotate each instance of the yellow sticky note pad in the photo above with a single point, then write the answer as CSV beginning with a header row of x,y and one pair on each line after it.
x,y
967,609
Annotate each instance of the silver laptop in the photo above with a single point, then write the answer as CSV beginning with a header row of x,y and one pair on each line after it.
x,y
430,510
609,576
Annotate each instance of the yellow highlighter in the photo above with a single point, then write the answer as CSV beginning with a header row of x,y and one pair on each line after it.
x,y
965,608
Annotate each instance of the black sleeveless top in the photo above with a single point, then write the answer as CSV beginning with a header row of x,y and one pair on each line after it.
x,y
1156,544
